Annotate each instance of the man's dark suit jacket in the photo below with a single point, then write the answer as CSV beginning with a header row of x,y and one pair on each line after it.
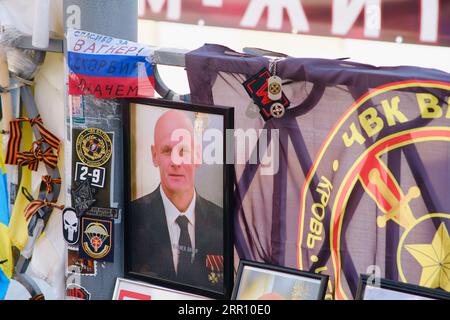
x,y
151,251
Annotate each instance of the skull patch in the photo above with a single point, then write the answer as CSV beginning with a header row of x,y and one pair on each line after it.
x,y
71,226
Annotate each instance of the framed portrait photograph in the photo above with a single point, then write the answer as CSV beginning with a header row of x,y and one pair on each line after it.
x,y
126,289
259,281
179,187
372,288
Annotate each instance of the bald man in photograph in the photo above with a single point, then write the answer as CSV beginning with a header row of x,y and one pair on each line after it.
x,y
173,229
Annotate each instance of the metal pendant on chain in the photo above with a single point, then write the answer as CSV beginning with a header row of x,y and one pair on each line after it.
x,y
277,110
275,91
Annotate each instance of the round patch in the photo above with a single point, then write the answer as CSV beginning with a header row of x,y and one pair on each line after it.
x,y
277,110
94,147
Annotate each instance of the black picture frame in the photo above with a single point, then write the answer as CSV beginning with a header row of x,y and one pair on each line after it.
x,y
228,188
401,287
289,272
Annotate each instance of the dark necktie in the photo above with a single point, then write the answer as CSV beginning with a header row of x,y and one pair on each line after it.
x,y
185,248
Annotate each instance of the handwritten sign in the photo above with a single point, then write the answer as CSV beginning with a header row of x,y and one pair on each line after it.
x,y
108,67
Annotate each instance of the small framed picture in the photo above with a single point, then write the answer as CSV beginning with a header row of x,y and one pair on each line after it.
x,y
372,288
259,281
133,290
178,196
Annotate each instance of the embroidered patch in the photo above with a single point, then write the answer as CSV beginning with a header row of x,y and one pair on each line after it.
x,y
95,176
97,239
94,147
111,213
83,198
71,226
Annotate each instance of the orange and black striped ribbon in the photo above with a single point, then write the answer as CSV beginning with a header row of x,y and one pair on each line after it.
x,y
46,134
40,296
49,181
32,158
15,135
35,205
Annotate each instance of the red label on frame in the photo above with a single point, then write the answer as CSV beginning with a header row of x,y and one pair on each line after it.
x,y
131,295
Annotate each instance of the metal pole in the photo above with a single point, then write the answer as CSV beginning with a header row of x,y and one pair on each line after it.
x,y
119,19
115,18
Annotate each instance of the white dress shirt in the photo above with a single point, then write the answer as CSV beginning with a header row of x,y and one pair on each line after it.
x,y
172,214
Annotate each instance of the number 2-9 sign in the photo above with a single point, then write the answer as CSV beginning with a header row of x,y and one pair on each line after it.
x,y
96,176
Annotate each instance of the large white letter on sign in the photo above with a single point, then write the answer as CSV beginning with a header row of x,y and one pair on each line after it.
x,y
429,20
275,9
345,13
213,3
173,7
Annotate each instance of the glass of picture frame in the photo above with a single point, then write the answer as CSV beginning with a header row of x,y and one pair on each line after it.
x,y
126,289
373,288
178,196
259,281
